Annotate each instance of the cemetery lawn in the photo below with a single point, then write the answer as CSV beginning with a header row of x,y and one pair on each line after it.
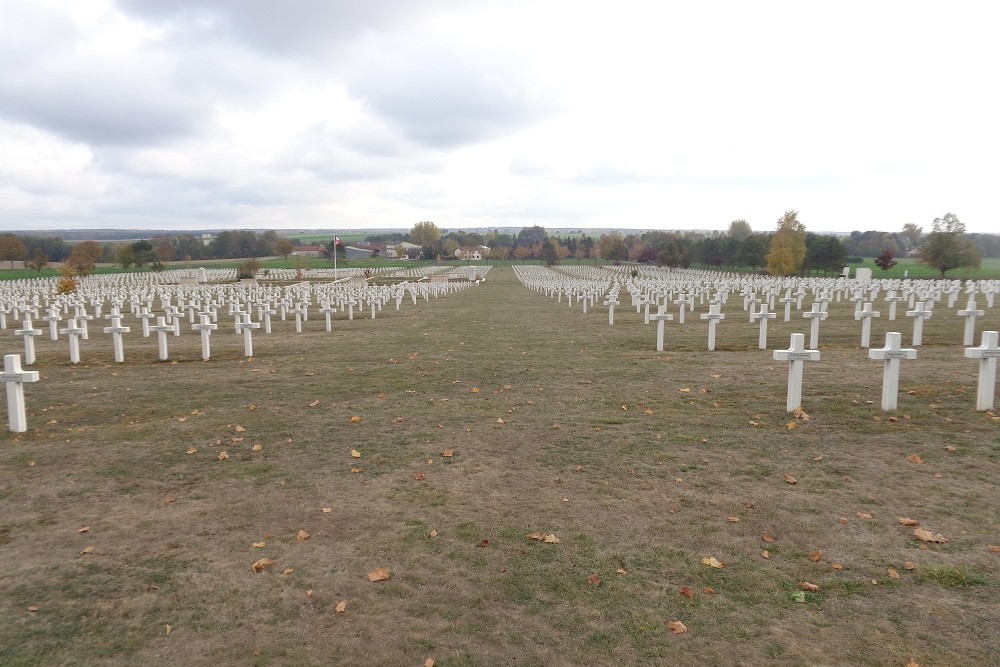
x,y
480,421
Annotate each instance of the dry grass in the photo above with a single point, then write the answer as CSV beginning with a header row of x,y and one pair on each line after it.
x,y
600,445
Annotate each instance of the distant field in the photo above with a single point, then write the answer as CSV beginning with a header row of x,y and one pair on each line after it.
x,y
990,268
325,238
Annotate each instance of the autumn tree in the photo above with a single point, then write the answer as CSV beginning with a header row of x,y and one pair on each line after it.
x,y
39,260
84,257
946,247
125,256
283,247
910,236
11,248
739,230
613,248
425,234
787,251
886,260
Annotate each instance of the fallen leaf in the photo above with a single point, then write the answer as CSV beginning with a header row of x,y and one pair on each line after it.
x,y
167,629
262,565
708,590
474,390
767,537
419,476
239,429
192,450
687,592
816,556
951,449
837,566
621,570
33,609
903,521
223,455
928,536
791,425
812,588
733,519
842,521
355,454
289,570
799,596
500,421
713,562
789,479
259,545
327,510
87,550
676,627
594,580
257,448
765,554
309,593
355,470
550,539
893,574
448,453
909,566
685,390
379,574
302,536
432,534
355,419
313,404
864,515
913,458
341,607
429,662
994,549
83,529
483,543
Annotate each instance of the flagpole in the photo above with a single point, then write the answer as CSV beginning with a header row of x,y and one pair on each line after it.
x,y
335,249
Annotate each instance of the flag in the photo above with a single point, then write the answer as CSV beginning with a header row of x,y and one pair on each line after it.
x,y
336,240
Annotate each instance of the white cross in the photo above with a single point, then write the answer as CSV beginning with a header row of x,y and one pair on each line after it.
x,y
264,313
329,310
893,299
713,316
763,315
816,314
73,331
206,328
15,378
116,330
890,356
788,299
161,328
145,316
351,302
660,317
53,319
919,314
611,303
865,315
80,313
246,327
987,353
970,314
682,301
795,355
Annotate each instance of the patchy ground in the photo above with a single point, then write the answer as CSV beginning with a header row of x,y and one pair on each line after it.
x,y
437,442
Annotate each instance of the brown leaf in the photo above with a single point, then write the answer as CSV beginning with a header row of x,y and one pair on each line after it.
x,y
302,536
708,590
432,534
429,662
864,515
909,566
789,479
223,455
192,450
474,390
262,565
713,562
842,521
903,521
767,537
687,592
313,404
448,453
257,447
951,449
733,519
893,574
379,574
994,549
355,454
594,580
309,593
928,536
87,550
621,570
765,554
239,429
33,608
419,476
355,419
913,458
327,510
341,607
837,566
791,425
289,570
812,588
483,544
911,663
83,529
676,627
167,629
259,545
816,556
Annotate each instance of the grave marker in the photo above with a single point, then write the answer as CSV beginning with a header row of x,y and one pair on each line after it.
x,y
660,318
15,378
713,316
865,315
206,328
796,355
890,356
116,330
919,314
987,353
970,314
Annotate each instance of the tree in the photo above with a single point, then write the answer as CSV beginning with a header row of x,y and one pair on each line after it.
x,y
283,247
886,260
787,251
946,247
84,256
12,248
739,230
143,253
613,248
753,251
425,234
549,253
910,236
125,256
39,260
532,236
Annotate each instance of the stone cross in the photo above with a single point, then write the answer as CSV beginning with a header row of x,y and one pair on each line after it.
x,y
970,314
299,312
796,355
890,356
53,318
350,303
80,313
246,327
713,316
145,316
893,299
15,378
611,303
865,315
116,330
682,301
328,312
73,331
919,314
162,328
815,315
645,302
987,353
763,316
788,299
206,328
660,317
29,334
264,313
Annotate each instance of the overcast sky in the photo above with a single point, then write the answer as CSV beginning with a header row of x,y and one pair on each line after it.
x,y
471,113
